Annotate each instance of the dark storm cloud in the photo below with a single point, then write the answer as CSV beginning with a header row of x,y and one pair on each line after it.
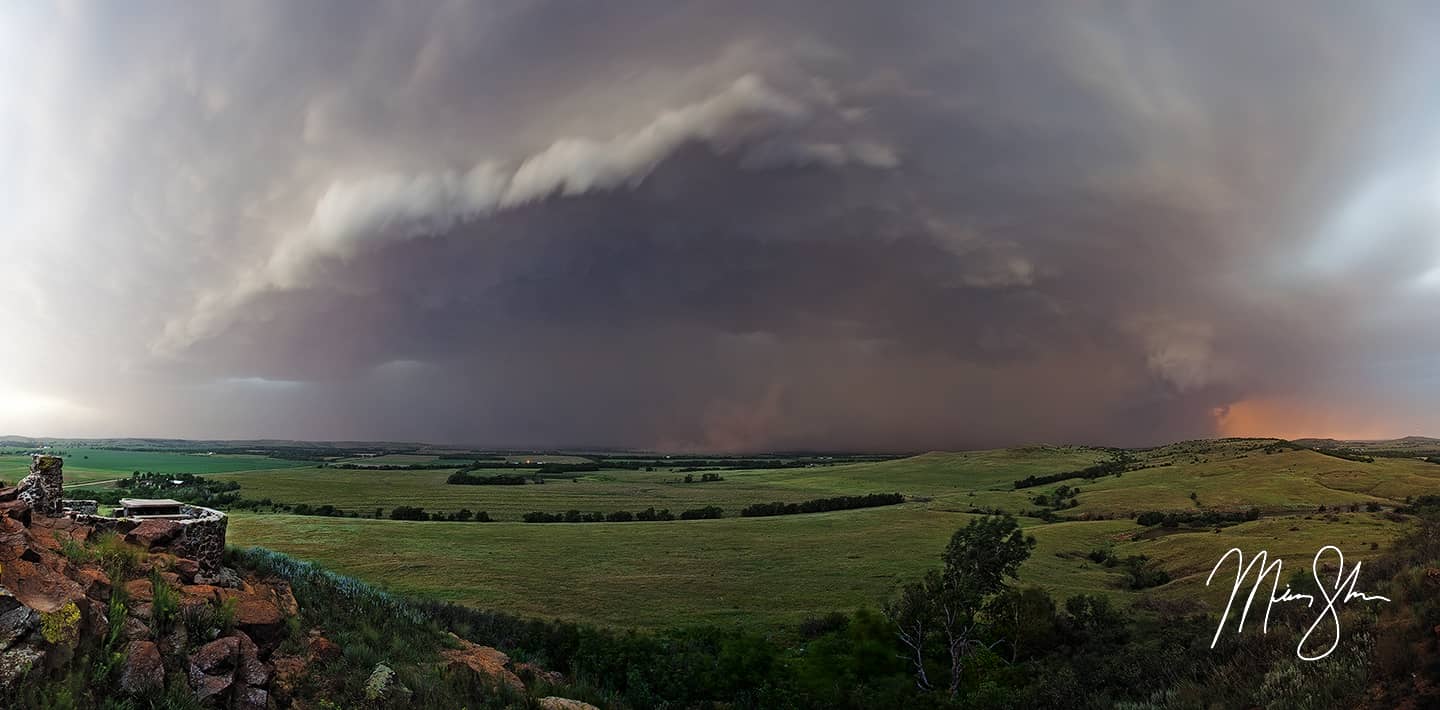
x,y
722,225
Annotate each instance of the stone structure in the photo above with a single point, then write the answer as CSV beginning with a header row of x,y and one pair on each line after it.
x,y
202,536
44,488
83,507
184,530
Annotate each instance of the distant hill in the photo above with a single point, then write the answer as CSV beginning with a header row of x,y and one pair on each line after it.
x,y
1404,446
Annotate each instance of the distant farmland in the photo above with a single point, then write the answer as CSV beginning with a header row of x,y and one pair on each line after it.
x,y
782,569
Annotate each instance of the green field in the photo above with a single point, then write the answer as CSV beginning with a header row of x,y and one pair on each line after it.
x,y
761,571
750,571
90,466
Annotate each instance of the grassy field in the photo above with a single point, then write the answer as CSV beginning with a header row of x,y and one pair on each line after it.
x,y
761,571
757,572
732,571
926,476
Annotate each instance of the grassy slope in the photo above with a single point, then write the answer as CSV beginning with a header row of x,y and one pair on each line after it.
x,y
751,571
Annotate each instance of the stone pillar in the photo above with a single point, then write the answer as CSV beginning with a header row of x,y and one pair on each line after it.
x,y
44,488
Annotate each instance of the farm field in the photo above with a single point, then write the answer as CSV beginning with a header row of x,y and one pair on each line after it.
x,y
87,466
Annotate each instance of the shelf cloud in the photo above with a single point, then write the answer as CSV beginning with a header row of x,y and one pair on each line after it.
x,y
719,225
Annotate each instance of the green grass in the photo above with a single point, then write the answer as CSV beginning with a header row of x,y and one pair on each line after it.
x,y
762,571
750,571
768,570
1288,481
606,491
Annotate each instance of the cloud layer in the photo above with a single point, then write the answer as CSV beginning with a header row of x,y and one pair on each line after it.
x,y
719,226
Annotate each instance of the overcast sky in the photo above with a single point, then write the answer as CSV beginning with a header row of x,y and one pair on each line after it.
x,y
720,225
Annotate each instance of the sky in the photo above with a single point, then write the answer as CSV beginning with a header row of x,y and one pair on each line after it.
x,y
720,226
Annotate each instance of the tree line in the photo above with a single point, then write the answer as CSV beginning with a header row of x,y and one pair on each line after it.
x,y
822,505
622,516
1113,466
464,478
1205,519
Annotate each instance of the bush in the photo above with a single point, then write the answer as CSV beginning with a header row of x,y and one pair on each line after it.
x,y
405,512
709,512
463,478
164,606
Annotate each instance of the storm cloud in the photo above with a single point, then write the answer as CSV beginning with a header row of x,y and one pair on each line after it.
x,y
720,226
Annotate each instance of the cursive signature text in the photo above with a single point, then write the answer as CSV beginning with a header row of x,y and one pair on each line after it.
x,y
1343,592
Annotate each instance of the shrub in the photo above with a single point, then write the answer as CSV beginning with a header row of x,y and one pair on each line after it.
x,y
164,605
406,512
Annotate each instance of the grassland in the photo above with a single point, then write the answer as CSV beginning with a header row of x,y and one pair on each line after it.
x,y
762,571
729,571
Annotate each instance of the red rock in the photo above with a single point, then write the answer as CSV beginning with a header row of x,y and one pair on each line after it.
x,y
538,673
139,590
134,629
288,671
486,662
201,591
39,585
285,599
144,671
186,569
16,510
212,667
324,650
250,670
257,611
95,583
260,618
152,534
8,494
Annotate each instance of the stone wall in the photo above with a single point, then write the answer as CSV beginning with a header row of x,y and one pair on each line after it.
x,y
44,488
203,538
83,507
199,536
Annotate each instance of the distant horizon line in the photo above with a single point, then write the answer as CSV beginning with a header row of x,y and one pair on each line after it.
x,y
579,449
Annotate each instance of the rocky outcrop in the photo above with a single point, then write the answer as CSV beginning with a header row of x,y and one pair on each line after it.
x,y
44,488
557,703
176,619
489,664
154,535
50,603
144,670
230,666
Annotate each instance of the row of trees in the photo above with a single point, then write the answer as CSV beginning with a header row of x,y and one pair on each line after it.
x,y
1113,466
821,505
464,478
464,515
622,516
1208,518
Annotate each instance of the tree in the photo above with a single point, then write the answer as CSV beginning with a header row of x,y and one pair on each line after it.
x,y
912,611
947,602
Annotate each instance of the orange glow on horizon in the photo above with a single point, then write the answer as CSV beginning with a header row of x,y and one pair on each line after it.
x,y
1294,419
